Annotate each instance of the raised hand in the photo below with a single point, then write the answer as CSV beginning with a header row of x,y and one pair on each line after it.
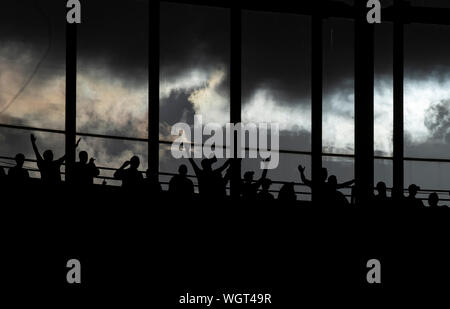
x,y
33,138
78,142
265,163
92,160
301,169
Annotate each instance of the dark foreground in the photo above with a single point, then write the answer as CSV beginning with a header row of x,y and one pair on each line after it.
x,y
144,250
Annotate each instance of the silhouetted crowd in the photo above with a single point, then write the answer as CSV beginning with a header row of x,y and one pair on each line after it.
x,y
212,182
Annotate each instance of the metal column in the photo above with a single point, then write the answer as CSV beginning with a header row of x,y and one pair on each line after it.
x,y
316,101
235,89
364,123
71,96
398,173
153,88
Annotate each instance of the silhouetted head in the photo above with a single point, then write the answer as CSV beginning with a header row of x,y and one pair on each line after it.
x,y
381,188
287,192
20,159
135,162
323,174
412,189
248,176
206,164
433,199
266,183
48,155
332,182
182,170
83,155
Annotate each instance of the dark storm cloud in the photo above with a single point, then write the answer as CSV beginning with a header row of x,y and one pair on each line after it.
x,y
193,38
113,33
426,49
26,21
172,115
275,48
276,54
276,51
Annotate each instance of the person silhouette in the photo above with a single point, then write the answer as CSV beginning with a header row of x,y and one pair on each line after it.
x,y
84,172
50,169
287,193
324,186
307,182
433,201
333,196
152,183
264,195
17,175
381,200
412,202
381,189
211,183
249,188
131,177
180,186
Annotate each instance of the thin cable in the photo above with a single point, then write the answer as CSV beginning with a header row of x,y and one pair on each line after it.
x,y
38,65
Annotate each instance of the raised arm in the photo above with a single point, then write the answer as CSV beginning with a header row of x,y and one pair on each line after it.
x,y
35,149
197,170
63,158
224,166
264,174
306,181
345,184
227,177
260,180
119,173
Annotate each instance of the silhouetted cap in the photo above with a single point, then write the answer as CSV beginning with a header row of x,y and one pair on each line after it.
x,y
413,187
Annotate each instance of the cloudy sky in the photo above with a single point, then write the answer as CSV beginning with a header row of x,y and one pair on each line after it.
x,y
113,83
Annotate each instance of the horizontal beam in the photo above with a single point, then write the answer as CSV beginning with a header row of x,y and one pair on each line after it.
x,y
326,8
165,142
411,14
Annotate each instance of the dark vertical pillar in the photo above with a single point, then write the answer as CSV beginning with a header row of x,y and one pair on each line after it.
x,y
71,96
235,89
316,101
153,88
398,172
364,83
